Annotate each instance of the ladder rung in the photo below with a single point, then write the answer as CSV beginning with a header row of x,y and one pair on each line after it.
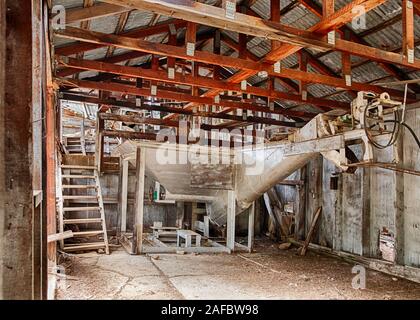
x,y
85,246
87,233
69,166
73,209
76,176
81,221
77,186
79,197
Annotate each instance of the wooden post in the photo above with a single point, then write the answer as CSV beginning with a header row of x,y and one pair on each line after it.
x,y
338,217
99,142
408,29
303,66
366,216
50,149
251,222
400,203
22,224
346,62
139,206
327,8
230,237
124,192
180,211
300,206
82,136
275,16
216,50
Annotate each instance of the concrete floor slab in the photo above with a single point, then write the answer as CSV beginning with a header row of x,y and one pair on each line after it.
x,y
268,274
148,288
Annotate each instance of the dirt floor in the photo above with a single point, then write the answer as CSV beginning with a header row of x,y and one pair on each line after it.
x,y
269,273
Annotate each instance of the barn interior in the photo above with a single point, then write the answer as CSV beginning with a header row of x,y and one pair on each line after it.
x,y
211,149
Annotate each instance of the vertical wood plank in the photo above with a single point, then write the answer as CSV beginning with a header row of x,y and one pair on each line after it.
x,y
251,226
408,27
139,206
346,62
124,193
400,203
230,236
327,8
303,66
275,16
366,216
300,206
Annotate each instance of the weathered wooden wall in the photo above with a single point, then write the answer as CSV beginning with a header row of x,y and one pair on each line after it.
x,y
412,193
21,143
152,211
367,201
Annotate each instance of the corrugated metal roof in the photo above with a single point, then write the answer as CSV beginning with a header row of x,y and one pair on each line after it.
x,y
299,17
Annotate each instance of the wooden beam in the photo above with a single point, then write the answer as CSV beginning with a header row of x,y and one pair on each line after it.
x,y
132,106
139,202
408,30
213,16
389,68
203,82
100,10
132,119
216,50
143,32
311,232
126,89
303,66
216,17
327,8
337,20
275,17
207,57
190,36
124,193
346,63
60,236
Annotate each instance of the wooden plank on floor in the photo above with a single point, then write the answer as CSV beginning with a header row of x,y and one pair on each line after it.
x,y
311,232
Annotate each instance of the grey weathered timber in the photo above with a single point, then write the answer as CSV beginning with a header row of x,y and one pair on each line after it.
x,y
21,241
300,206
230,232
139,204
124,193
251,226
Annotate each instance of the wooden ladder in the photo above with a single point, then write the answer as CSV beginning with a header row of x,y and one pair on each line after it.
x,y
88,194
75,145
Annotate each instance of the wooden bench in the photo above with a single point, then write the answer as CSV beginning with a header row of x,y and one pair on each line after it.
x,y
187,236
163,231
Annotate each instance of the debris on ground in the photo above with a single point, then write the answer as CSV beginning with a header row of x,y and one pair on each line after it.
x,y
285,246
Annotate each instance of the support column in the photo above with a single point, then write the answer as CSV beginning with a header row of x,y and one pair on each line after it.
x,y
21,223
399,214
366,225
99,152
139,206
2,140
300,205
124,193
251,222
50,143
180,211
230,236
